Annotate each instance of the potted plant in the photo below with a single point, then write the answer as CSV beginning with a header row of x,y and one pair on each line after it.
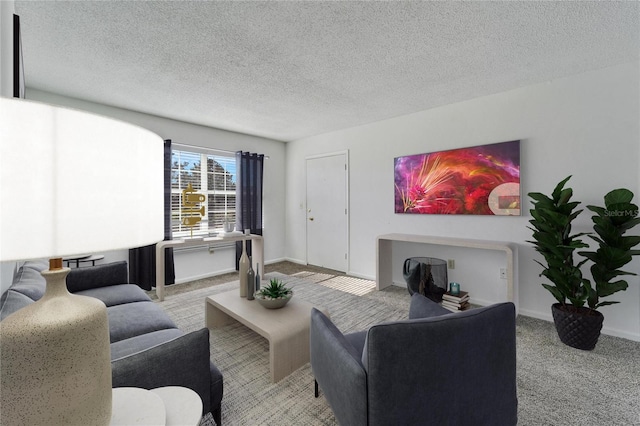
x,y
579,326
275,295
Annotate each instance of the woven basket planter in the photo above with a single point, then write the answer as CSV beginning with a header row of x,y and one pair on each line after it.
x,y
577,327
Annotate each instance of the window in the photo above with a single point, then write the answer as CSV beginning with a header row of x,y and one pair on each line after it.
x,y
217,183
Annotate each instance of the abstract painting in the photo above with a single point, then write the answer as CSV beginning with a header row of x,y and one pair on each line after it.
x,y
480,180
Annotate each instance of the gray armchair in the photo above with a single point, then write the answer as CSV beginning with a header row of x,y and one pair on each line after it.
x,y
437,368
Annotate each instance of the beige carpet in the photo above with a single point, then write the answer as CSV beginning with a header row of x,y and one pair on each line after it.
x,y
557,385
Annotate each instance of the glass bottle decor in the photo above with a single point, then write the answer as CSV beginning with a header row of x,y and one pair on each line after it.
x,y
251,282
243,268
257,276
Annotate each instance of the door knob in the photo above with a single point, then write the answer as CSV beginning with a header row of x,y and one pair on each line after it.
x,y
311,219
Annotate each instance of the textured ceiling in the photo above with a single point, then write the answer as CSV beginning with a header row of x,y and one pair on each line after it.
x,y
287,70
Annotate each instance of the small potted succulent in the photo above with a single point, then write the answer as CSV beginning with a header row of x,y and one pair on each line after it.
x,y
275,295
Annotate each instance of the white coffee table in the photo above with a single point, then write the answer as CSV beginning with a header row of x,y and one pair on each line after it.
x,y
168,406
286,329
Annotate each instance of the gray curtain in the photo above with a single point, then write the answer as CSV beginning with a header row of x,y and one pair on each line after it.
x,y
142,260
248,196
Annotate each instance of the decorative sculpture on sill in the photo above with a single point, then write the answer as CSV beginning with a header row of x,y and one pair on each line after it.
x,y
191,214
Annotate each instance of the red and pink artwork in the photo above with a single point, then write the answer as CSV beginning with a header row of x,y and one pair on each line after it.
x,y
481,180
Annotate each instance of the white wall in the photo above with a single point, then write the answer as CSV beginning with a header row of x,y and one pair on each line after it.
x,y
7,10
585,125
6,90
194,263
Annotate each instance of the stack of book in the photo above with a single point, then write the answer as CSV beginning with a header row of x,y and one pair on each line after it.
x,y
456,303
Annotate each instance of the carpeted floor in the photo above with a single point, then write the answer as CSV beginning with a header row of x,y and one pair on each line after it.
x,y
557,385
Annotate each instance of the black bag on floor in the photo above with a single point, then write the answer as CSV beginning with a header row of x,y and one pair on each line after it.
x,y
427,276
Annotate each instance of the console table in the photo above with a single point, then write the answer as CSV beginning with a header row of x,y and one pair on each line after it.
x,y
257,252
384,252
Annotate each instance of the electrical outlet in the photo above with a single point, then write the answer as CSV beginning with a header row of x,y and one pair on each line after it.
x,y
451,264
503,273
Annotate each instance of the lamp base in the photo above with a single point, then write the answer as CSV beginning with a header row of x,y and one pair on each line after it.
x,y
56,359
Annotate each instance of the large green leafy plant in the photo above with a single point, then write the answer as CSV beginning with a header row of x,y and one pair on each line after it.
x,y
551,226
614,248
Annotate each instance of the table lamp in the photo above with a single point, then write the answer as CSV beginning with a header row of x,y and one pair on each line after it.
x,y
71,182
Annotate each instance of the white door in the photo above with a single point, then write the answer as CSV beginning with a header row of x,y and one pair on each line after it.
x,y
327,211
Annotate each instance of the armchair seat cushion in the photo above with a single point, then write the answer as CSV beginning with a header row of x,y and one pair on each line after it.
x,y
357,340
337,367
336,335
423,307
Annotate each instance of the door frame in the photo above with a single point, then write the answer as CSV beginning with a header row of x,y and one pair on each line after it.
x,y
346,203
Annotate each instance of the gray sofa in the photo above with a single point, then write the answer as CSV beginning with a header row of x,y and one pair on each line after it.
x,y
147,349
437,368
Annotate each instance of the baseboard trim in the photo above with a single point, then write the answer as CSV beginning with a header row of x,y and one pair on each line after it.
x,y
605,330
203,276
363,276
227,271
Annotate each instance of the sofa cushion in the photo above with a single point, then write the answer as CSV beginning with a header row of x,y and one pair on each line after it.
x,y
80,279
117,294
38,265
28,286
29,281
133,319
139,343
147,350
11,302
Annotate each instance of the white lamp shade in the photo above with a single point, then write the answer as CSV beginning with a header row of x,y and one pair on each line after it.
x,y
73,182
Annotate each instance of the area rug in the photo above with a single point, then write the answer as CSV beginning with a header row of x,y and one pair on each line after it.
x,y
557,385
